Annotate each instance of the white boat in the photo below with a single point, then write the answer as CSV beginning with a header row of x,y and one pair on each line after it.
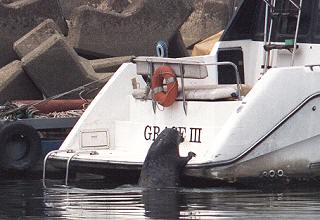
x,y
250,110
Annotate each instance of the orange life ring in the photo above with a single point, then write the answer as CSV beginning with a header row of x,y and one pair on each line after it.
x,y
164,98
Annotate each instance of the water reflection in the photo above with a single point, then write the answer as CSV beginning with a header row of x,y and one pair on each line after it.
x,y
75,203
26,199
20,198
162,204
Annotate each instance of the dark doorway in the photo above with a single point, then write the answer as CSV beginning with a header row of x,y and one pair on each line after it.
x,y
226,74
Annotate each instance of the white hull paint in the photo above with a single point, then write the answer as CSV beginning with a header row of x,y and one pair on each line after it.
x,y
279,116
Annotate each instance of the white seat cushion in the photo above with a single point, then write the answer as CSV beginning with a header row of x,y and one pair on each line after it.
x,y
201,92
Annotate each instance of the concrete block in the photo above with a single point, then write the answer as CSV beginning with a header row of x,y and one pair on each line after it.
x,y
19,17
34,38
8,1
87,66
15,84
135,31
118,5
208,18
68,6
107,5
109,64
55,67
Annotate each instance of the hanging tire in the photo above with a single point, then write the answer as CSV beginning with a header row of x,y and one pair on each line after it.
x,y
20,147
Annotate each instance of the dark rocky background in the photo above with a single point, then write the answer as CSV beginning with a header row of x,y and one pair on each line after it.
x,y
52,46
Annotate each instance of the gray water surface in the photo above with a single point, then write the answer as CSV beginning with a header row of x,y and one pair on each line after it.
x,y
27,199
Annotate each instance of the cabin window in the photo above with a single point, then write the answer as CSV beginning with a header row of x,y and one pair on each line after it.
x,y
288,15
318,19
250,19
243,24
260,20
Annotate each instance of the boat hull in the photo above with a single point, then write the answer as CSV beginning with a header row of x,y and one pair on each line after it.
x,y
299,162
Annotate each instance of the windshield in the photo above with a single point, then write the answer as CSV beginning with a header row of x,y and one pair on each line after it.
x,y
249,21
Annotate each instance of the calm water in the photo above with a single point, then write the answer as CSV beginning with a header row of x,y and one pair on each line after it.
x,y
27,199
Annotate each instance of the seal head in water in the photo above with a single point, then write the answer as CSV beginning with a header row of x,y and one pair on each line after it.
x,y
163,165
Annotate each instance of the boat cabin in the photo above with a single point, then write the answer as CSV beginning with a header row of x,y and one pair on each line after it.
x,y
269,33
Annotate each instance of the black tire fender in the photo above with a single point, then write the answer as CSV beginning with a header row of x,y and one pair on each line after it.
x,y
20,147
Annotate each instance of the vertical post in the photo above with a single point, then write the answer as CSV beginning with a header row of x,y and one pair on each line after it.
x,y
273,5
296,34
266,18
154,104
183,89
67,168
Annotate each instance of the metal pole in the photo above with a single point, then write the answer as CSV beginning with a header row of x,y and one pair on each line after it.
x,y
227,63
151,69
71,158
266,18
296,34
271,22
45,163
183,90
267,3
273,2
292,2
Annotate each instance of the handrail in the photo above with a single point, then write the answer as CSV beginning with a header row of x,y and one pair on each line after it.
x,y
77,153
271,4
235,67
200,63
45,163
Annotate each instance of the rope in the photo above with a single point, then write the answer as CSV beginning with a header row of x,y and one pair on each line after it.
x,y
11,111
32,112
65,114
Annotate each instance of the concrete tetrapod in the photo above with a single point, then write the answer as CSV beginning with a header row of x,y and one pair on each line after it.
x,y
135,31
16,84
56,68
208,18
109,64
111,5
68,6
35,37
19,17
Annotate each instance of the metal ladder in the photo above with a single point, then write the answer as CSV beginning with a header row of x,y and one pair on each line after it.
x,y
270,7
73,155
